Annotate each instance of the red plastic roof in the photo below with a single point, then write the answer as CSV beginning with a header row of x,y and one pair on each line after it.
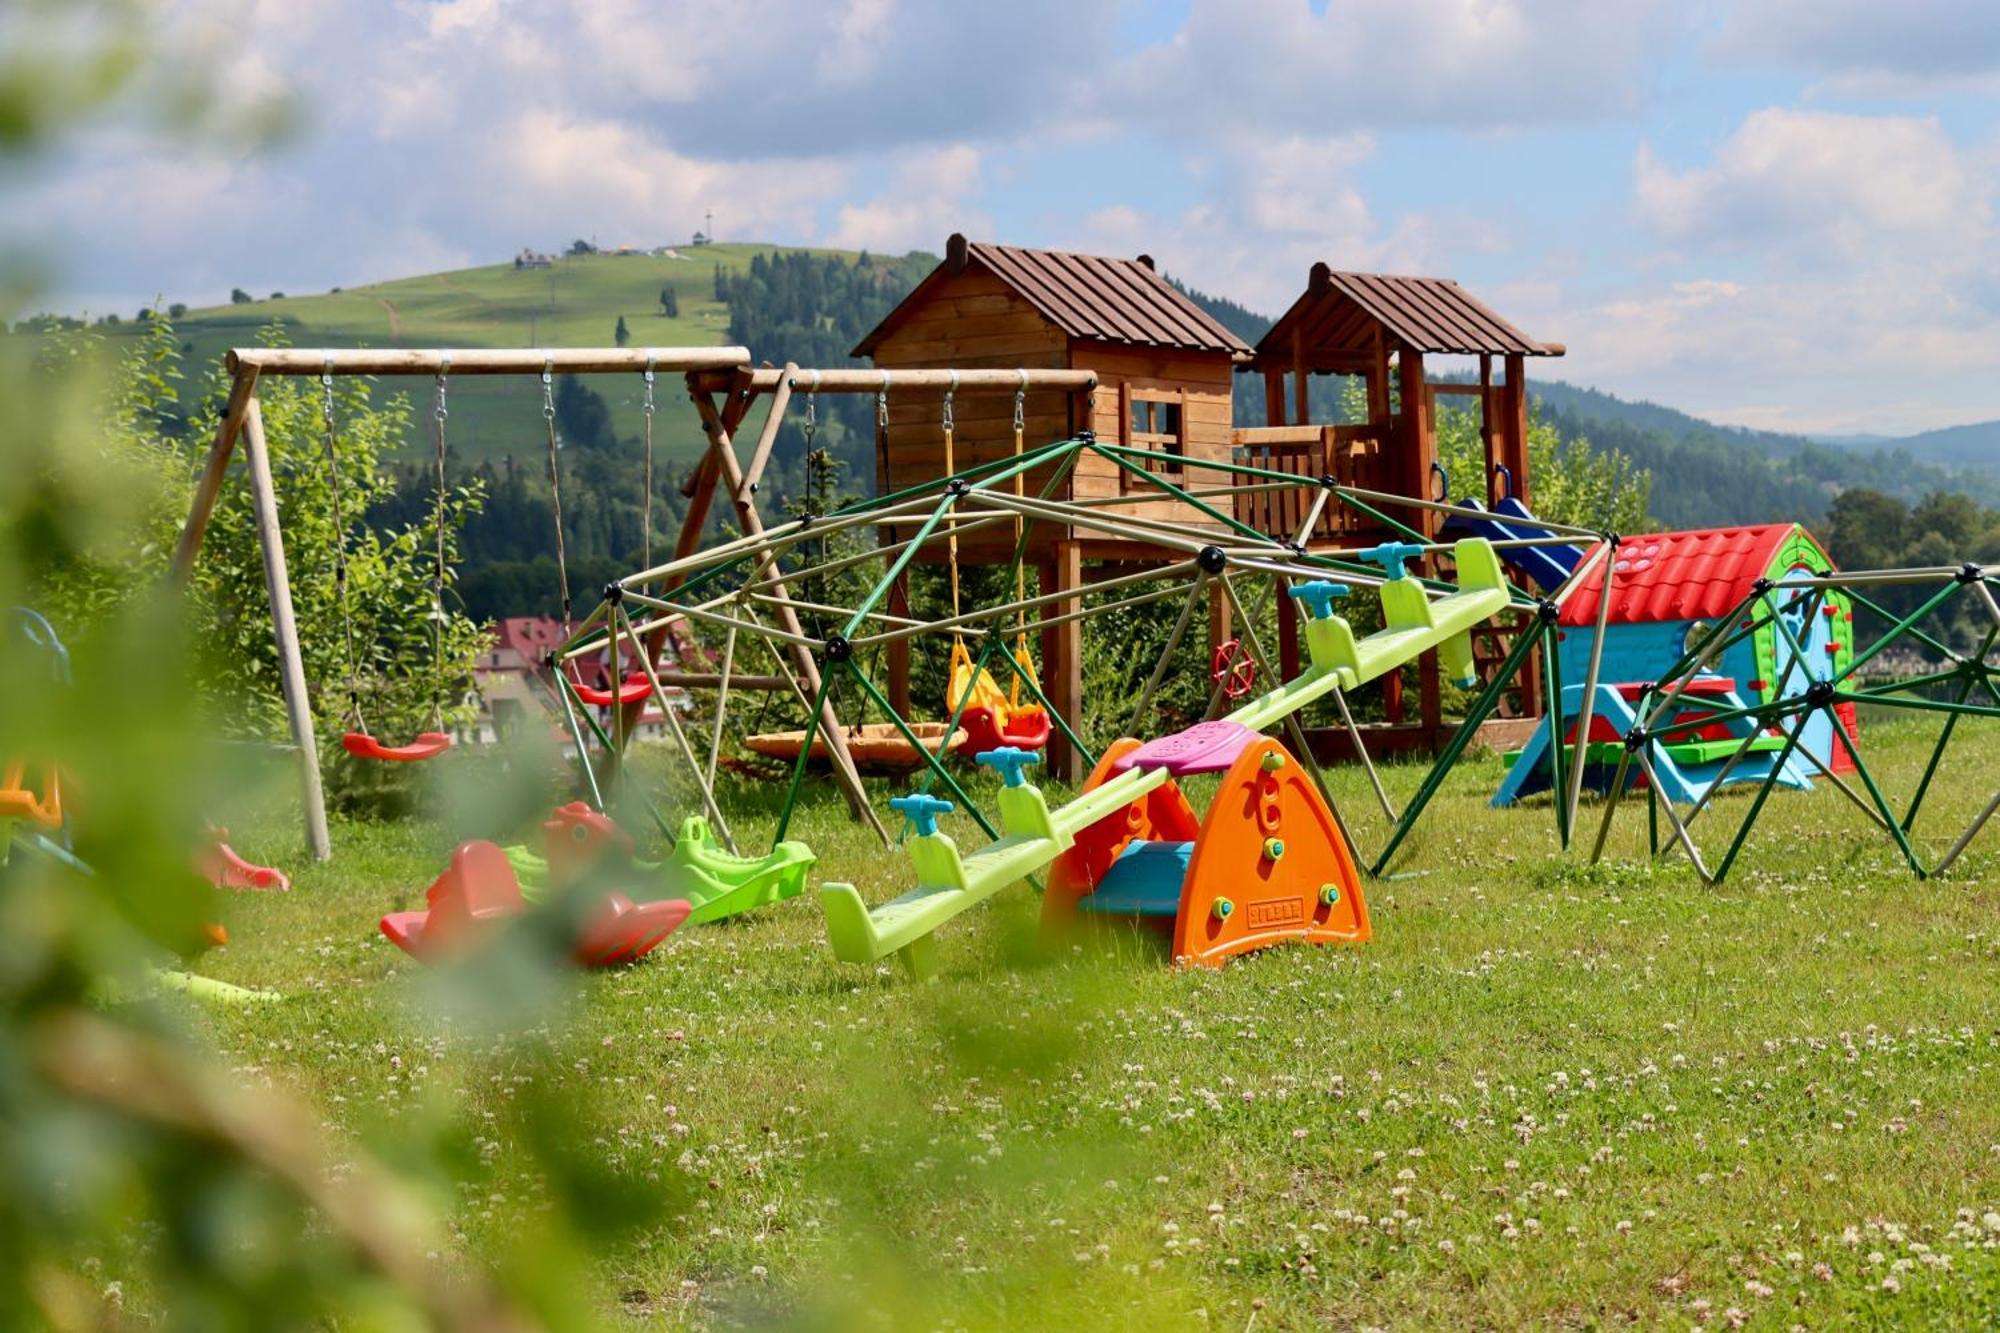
x,y
1696,575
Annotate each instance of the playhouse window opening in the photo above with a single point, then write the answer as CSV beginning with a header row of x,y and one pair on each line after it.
x,y
1157,422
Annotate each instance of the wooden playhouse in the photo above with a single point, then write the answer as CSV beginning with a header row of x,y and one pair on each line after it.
x,y
1166,371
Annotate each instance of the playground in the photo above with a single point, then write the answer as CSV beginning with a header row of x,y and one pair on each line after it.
x,y
1432,911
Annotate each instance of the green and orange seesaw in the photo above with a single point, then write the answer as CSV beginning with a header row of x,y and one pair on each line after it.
x,y
1267,863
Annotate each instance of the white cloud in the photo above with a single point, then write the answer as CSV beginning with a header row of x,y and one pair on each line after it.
x,y
1273,209
1378,64
1867,47
928,199
1819,182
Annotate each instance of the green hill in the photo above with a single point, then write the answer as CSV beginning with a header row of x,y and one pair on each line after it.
x,y
576,302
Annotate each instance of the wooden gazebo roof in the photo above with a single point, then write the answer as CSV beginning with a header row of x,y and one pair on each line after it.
x,y
1088,297
1334,325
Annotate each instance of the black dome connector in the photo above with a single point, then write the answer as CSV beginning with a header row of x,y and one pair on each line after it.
x,y
1087,436
1762,586
1819,694
1329,482
1211,560
1547,611
1636,739
614,592
838,649
958,486
1969,573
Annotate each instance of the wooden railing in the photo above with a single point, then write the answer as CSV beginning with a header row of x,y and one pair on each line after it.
x,y
1351,455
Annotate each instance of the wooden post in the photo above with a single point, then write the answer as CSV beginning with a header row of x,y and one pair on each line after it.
x,y
284,627
1418,450
242,392
1514,424
1062,656
1301,382
752,523
781,398
1488,434
1378,382
1274,396
1288,630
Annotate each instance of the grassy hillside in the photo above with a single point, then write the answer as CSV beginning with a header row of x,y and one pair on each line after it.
x,y
576,303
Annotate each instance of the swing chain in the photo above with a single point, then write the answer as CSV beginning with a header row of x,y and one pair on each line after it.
x,y
438,414
949,395
340,546
646,508
882,404
555,486
1021,405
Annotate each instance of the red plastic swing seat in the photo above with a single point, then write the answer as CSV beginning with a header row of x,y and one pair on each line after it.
x,y
1025,728
479,891
427,745
636,689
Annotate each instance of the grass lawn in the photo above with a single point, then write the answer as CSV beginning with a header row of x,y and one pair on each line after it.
x,y
1543,1094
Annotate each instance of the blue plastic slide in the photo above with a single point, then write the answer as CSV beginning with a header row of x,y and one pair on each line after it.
x,y
1547,566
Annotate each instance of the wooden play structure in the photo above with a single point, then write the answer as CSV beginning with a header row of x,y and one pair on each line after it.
x,y
1164,378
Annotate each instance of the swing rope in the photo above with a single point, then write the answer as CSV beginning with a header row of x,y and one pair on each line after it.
x,y
555,485
646,508
340,547
1020,566
438,415
951,469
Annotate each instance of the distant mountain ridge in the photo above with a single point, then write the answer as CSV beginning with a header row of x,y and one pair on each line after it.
x,y
1705,474
1974,445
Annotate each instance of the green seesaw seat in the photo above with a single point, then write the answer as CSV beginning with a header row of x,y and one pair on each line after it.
x,y
949,883
698,869
1412,624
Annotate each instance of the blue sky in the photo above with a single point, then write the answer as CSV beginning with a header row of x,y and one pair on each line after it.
x,y
1771,212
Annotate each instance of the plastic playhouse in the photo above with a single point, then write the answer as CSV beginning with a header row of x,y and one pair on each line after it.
x,y
1667,587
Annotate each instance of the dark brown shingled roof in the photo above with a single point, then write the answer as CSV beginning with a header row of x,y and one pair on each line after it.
x,y
1086,296
1424,314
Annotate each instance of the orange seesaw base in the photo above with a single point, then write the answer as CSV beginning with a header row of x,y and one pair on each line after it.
x,y
1266,864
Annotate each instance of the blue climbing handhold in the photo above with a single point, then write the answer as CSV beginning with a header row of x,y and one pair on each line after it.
x,y
1318,596
923,811
1010,761
1391,555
